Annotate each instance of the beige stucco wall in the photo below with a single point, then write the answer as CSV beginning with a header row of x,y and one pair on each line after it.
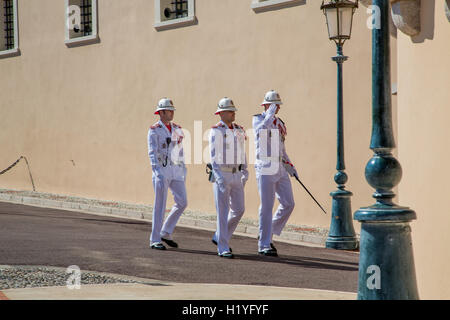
x,y
423,114
81,114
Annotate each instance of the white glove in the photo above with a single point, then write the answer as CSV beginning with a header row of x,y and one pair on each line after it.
x,y
290,168
272,109
244,180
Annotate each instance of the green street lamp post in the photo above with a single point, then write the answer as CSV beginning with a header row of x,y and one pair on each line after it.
x,y
386,263
339,16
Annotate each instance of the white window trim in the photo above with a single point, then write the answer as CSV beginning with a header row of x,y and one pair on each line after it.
x,y
86,39
174,23
259,6
15,50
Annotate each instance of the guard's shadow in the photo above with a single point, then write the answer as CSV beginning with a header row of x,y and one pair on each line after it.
x,y
305,262
120,220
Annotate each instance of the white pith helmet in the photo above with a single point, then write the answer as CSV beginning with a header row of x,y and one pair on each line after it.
x,y
272,97
225,104
164,104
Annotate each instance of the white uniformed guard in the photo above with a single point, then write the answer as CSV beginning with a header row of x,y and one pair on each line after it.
x,y
272,178
229,167
165,149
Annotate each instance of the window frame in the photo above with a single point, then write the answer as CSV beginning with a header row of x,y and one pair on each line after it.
x,y
84,40
14,51
159,25
265,5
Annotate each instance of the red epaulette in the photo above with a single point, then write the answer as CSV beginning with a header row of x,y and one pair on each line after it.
x,y
242,128
219,124
156,125
176,125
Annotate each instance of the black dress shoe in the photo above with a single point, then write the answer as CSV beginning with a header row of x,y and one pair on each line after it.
x,y
227,255
268,252
273,247
158,246
170,243
215,242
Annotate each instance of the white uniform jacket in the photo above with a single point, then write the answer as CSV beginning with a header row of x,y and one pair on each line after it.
x,y
270,134
227,150
165,150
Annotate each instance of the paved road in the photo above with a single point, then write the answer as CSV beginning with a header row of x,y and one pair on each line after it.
x,y
40,236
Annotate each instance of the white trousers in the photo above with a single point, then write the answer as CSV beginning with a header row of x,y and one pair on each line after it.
x,y
230,207
269,186
161,187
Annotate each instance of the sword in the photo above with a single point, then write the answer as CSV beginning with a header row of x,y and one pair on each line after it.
x,y
296,177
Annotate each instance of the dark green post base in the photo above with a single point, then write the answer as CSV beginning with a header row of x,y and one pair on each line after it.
x,y
342,234
386,263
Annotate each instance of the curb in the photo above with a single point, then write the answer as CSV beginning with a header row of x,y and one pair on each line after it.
x,y
314,236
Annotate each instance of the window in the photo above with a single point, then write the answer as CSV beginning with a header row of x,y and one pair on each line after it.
x,y
81,22
263,5
174,13
8,29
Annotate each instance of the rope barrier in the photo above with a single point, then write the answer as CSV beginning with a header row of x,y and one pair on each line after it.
x,y
14,164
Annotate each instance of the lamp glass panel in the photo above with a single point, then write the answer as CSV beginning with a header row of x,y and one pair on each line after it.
x,y
332,22
345,21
